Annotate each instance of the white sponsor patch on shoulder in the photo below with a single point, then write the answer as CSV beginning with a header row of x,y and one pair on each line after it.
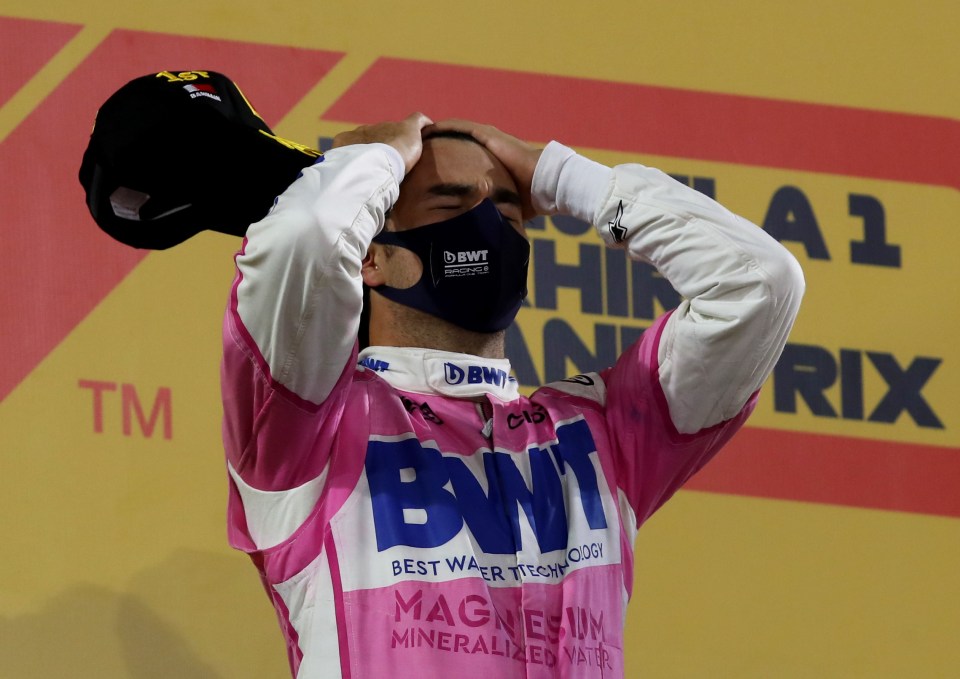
x,y
588,385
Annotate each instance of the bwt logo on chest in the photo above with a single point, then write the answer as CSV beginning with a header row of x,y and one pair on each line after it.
x,y
422,498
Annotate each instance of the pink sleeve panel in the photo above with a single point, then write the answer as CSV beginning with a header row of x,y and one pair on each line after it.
x,y
653,459
270,434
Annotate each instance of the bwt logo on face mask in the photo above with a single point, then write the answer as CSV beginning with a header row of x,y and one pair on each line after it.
x,y
465,257
444,493
474,374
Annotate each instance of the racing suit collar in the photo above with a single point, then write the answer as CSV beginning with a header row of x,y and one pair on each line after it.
x,y
427,371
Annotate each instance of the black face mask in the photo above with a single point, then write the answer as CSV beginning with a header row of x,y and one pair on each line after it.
x,y
474,269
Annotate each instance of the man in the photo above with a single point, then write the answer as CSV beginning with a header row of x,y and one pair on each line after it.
x,y
410,513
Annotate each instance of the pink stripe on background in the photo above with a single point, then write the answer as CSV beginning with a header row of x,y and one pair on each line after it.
x,y
56,265
25,47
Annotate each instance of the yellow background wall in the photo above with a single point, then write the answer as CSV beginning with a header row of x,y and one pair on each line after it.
x,y
113,556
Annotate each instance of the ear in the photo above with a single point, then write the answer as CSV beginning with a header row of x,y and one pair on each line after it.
x,y
373,276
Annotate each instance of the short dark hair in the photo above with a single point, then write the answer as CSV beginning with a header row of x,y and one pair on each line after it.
x,y
451,134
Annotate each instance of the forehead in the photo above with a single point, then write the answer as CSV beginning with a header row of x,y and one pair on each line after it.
x,y
456,161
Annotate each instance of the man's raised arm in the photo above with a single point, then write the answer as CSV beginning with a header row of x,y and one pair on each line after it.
x,y
742,289
298,295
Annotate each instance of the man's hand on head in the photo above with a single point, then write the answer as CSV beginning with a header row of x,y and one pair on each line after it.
x,y
519,157
403,135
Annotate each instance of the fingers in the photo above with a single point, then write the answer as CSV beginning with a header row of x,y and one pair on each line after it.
x,y
482,133
404,136
419,120
410,141
509,149
452,125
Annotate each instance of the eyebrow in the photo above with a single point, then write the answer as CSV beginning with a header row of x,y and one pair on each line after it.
x,y
500,195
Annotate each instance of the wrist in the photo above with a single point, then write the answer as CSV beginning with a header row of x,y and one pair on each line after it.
x,y
567,183
397,164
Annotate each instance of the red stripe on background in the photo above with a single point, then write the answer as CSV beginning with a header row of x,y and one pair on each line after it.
x,y
836,470
664,121
55,264
25,46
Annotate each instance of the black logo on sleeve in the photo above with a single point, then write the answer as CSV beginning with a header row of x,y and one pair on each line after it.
x,y
535,415
617,230
423,408
585,380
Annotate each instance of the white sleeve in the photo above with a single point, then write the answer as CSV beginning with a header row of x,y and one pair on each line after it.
x,y
742,289
300,293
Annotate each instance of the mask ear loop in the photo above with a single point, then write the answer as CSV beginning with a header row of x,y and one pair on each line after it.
x,y
393,239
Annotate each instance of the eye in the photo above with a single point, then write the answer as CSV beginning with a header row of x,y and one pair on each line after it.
x,y
445,204
511,213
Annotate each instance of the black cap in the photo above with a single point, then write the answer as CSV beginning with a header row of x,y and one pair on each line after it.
x,y
178,152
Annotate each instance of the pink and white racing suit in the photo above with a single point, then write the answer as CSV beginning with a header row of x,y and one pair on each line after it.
x,y
410,513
